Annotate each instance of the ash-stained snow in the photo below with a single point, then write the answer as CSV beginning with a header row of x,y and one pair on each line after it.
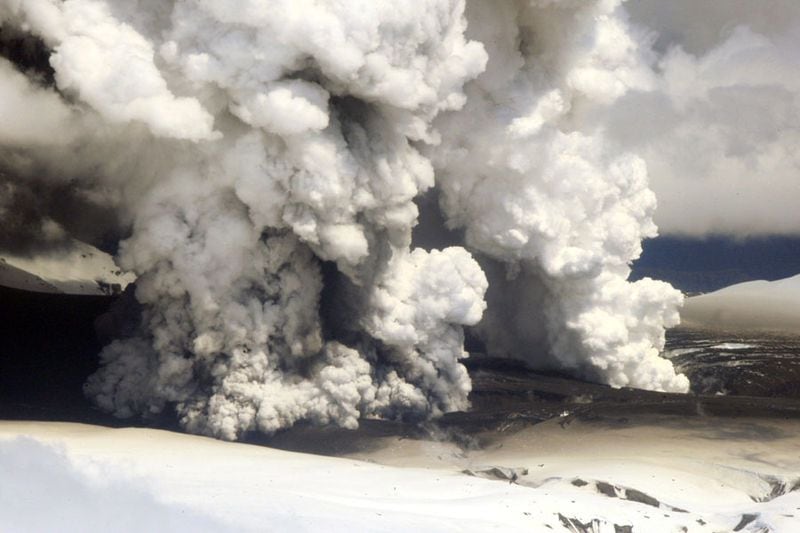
x,y
661,477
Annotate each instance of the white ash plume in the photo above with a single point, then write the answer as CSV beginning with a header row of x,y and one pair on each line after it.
x,y
248,144
287,149
535,188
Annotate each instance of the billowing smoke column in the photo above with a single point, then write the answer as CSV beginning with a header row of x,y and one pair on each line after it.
x,y
535,188
266,156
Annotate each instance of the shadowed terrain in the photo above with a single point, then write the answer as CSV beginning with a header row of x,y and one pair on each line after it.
x,y
49,346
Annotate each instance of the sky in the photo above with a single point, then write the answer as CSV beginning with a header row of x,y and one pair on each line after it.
x,y
703,264
721,147
719,132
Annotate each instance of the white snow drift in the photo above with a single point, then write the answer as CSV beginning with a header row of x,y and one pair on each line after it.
x,y
658,477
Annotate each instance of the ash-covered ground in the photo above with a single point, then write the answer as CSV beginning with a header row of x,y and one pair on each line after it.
x,y
737,363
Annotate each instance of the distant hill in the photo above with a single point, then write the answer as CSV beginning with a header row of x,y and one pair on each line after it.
x,y
694,282
17,278
77,269
709,264
754,305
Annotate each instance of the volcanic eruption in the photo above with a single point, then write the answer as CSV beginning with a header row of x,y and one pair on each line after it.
x,y
260,166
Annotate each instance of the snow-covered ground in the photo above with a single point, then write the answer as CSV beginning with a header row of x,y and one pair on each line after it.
x,y
668,474
78,268
767,305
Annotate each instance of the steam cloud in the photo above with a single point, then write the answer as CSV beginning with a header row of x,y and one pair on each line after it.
x,y
263,158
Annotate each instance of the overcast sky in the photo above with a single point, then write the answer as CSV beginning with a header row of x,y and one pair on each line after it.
x,y
720,131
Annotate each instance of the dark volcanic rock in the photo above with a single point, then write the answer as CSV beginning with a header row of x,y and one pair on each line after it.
x,y
746,519
738,363
502,473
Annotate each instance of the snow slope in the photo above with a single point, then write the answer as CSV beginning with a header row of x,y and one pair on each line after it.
x,y
17,278
755,305
75,269
663,477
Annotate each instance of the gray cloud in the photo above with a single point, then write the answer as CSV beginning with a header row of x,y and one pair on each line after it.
x,y
719,127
